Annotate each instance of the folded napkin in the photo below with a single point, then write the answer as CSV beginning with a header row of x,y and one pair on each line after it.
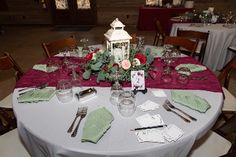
x,y
37,95
97,123
191,67
157,51
190,100
45,68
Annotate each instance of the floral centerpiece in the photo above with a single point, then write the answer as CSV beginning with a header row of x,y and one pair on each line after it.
x,y
103,65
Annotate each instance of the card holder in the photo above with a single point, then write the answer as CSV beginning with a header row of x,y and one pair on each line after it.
x,y
86,94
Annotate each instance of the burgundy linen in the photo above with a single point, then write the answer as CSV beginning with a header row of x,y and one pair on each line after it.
x,y
34,77
147,16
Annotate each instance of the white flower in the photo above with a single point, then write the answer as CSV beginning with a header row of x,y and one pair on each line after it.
x,y
136,62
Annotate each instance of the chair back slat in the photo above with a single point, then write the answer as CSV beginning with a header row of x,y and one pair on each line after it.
x,y
8,63
54,47
185,43
160,34
202,37
224,76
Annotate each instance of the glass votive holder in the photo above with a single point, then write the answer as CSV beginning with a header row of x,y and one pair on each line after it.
x,y
183,75
116,90
126,105
64,91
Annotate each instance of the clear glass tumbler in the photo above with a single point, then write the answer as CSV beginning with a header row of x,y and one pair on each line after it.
x,y
126,105
64,91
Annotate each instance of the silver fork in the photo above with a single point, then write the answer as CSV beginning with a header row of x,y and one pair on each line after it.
x,y
83,113
79,110
170,110
167,102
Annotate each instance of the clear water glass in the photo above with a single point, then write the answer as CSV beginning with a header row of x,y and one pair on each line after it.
x,y
64,91
183,75
126,104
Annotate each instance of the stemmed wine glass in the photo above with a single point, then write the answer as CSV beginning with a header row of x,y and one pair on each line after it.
x,y
169,56
85,49
116,89
140,43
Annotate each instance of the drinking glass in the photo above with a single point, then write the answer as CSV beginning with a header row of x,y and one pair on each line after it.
x,y
126,104
64,91
140,43
116,89
85,49
183,75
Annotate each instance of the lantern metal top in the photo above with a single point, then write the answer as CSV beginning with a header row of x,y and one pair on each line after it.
x,y
117,32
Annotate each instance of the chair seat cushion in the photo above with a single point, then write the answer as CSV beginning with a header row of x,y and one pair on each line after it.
x,y
229,102
210,145
7,101
11,146
233,48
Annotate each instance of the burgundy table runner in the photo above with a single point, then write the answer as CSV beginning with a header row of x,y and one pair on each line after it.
x,y
35,77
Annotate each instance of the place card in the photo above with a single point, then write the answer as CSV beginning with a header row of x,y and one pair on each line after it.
x,y
159,93
172,133
148,105
150,135
147,120
138,80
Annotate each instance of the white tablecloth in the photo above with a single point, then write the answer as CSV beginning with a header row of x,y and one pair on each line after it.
x,y
43,127
220,38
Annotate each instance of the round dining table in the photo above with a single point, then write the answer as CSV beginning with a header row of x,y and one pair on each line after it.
x,y
43,126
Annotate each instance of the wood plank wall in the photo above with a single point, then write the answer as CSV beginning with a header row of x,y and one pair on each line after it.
x,y
31,12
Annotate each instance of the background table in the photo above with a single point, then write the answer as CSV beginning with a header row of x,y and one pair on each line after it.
x,y
147,16
220,38
43,127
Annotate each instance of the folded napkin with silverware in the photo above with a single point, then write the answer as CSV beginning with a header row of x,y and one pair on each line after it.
x,y
97,123
190,100
191,67
45,68
36,95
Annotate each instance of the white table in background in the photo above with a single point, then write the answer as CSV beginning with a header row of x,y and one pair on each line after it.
x,y
220,38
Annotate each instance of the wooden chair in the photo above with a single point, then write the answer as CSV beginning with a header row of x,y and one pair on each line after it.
x,y
202,37
52,48
11,145
181,42
224,77
160,34
7,118
7,63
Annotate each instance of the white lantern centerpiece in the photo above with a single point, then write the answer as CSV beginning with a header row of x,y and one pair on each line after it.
x,y
118,41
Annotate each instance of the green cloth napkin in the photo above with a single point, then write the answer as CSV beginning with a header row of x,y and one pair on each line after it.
x,y
44,68
37,95
192,67
190,100
97,123
157,51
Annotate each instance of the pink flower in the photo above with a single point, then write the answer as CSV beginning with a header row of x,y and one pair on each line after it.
x,y
141,57
125,64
